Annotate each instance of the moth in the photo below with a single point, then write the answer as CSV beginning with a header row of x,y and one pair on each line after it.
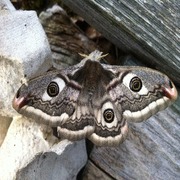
x,y
95,101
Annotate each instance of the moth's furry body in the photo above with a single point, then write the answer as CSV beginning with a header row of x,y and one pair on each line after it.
x,y
95,100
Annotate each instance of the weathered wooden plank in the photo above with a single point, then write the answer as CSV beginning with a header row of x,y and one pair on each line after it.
x,y
147,29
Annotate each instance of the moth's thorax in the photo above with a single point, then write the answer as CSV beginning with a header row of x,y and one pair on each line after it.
x,y
92,76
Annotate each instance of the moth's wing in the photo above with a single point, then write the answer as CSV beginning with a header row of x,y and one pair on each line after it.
x,y
61,110
79,125
157,92
109,132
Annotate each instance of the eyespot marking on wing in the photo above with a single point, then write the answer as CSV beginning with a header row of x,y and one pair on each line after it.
x,y
58,84
132,78
105,116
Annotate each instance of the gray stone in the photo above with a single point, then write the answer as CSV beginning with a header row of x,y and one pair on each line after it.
x,y
30,151
24,52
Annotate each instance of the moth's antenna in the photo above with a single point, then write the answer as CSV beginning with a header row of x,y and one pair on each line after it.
x,y
103,56
83,55
95,55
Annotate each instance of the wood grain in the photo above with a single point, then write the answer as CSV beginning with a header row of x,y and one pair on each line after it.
x,y
147,29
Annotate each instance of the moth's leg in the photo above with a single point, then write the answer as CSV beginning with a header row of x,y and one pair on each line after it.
x,y
55,133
